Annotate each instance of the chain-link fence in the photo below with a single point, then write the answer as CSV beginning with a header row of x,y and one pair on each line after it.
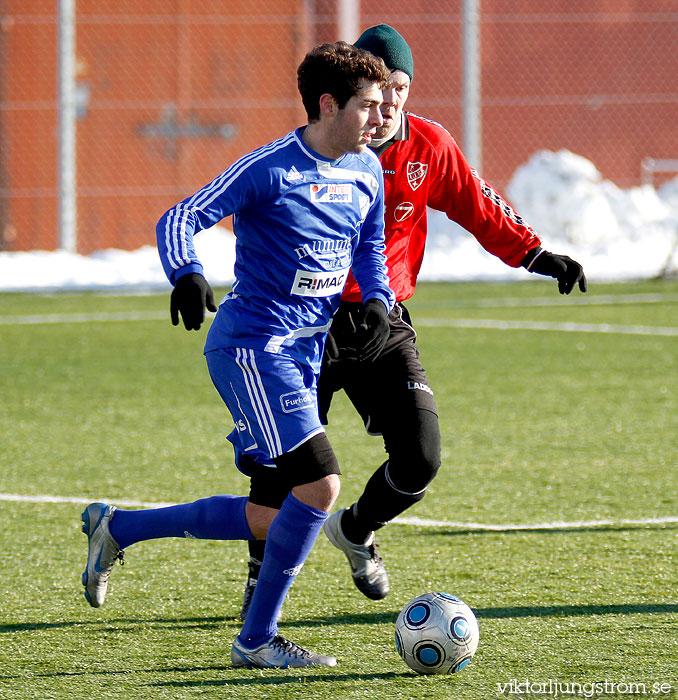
x,y
170,93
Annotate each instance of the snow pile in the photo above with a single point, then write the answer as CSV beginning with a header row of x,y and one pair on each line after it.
x,y
616,234
113,269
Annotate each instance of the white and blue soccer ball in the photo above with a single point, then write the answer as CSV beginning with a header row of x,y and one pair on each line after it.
x,y
436,633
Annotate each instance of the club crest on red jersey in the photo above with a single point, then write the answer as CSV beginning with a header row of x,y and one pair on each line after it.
x,y
403,211
416,172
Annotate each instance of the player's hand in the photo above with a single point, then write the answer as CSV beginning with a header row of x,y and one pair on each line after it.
x,y
373,331
568,272
190,296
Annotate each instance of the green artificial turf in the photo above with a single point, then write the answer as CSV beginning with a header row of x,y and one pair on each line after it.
x,y
564,440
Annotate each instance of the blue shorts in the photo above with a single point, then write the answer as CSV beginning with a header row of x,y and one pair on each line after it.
x,y
272,399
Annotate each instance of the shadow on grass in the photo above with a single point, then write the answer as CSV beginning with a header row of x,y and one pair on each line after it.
x,y
385,617
110,625
254,676
260,679
504,612
576,610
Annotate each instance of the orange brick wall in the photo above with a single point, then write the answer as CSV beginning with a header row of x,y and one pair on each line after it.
x,y
593,76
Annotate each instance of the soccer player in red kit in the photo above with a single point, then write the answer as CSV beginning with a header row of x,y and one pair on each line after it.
x,y
423,167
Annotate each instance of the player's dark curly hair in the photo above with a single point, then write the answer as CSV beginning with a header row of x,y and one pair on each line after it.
x,y
338,69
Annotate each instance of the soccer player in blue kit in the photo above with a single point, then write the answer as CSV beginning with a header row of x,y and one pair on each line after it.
x,y
306,209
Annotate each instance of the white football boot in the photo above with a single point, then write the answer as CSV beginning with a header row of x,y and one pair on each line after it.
x,y
102,552
277,653
367,568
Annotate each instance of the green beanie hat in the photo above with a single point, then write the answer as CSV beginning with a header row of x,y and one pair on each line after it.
x,y
386,43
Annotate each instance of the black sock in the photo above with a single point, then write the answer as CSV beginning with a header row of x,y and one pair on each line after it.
x,y
256,548
354,531
378,505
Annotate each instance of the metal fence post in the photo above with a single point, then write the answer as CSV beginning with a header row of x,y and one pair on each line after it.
x,y
348,20
472,117
67,115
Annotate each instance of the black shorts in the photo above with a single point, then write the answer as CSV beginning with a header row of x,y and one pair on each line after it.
x,y
385,392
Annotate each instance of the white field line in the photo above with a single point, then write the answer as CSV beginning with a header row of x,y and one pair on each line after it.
x,y
511,527
494,324
108,316
578,300
97,317
441,323
18,498
421,522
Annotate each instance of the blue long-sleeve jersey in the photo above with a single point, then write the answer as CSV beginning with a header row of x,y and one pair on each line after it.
x,y
301,222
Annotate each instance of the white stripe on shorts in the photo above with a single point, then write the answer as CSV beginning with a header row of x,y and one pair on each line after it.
x,y
258,399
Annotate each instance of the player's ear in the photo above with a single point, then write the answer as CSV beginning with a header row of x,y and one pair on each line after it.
x,y
328,104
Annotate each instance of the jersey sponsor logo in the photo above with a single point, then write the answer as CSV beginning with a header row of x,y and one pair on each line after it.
x,y
323,248
293,174
240,425
335,194
403,211
319,284
420,386
416,172
389,172
297,400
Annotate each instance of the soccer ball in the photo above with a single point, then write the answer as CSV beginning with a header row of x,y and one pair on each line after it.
x,y
436,633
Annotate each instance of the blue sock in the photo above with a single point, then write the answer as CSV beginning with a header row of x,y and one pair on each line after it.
x,y
215,518
290,538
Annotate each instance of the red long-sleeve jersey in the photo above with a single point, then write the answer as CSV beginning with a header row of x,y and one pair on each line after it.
x,y
427,168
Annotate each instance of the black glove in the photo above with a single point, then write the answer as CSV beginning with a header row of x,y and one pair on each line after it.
x,y
190,296
341,342
568,272
373,331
